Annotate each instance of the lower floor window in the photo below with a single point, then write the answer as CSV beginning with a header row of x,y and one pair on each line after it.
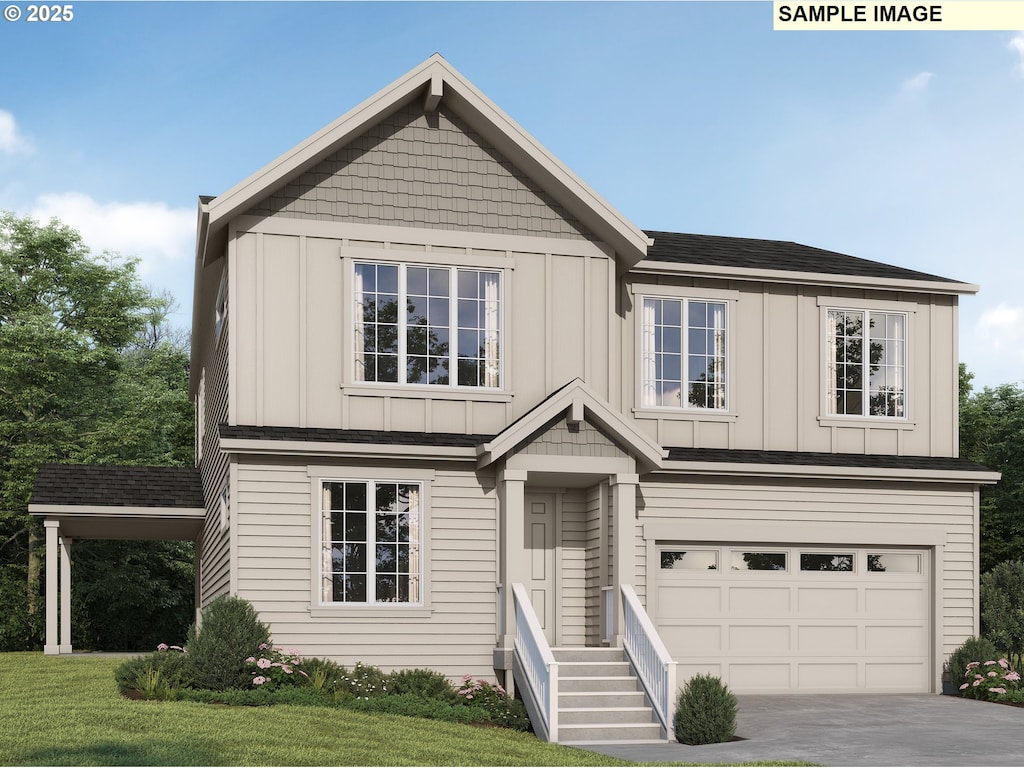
x,y
371,542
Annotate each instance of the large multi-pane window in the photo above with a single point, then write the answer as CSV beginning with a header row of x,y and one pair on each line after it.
x,y
867,363
427,325
371,542
683,357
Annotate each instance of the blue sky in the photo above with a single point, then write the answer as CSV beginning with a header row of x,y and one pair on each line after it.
x,y
904,147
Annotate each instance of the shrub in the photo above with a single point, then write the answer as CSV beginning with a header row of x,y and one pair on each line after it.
x,y
972,649
1002,609
421,683
274,668
324,674
364,681
989,680
705,711
163,671
492,698
230,632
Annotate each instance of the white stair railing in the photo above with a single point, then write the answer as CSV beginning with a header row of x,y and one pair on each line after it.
x,y
538,666
649,657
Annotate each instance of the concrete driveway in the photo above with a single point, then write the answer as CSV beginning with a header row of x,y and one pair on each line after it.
x,y
891,730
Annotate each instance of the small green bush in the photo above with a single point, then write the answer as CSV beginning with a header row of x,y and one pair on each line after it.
x,y
161,668
990,680
972,649
230,632
491,697
705,711
256,697
324,674
422,683
364,681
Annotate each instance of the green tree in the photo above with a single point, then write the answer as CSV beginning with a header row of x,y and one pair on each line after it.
x,y
1002,609
89,372
992,433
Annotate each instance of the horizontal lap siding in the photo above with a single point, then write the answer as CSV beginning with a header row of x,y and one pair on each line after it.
x,y
574,568
278,560
214,572
878,504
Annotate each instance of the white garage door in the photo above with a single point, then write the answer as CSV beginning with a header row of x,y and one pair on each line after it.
x,y
815,619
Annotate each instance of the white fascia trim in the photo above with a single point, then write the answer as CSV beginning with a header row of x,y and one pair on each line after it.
x,y
347,450
433,75
86,510
677,467
803,278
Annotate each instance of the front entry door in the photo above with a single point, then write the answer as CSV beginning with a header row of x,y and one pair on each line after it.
x,y
540,553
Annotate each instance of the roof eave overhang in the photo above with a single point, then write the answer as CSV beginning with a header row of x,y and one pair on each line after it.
x,y
202,243
650,266
731,469
345,450
433,81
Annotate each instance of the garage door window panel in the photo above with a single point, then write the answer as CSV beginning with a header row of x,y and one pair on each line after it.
x,y
894,562
827,561
759,561
689,560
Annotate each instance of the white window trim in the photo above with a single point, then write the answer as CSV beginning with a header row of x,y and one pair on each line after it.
x,y
826,418
729,298
318,608
221,308
404,260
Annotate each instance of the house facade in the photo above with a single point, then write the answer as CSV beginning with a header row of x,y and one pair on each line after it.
x,y
444,390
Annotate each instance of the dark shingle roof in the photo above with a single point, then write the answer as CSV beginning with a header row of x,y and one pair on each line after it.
x,y
116,486
360,436
740,252
818,459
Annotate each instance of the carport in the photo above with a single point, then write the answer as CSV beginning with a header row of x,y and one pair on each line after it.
x,y
86,501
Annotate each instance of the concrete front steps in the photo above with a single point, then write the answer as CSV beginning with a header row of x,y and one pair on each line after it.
x,y
600,699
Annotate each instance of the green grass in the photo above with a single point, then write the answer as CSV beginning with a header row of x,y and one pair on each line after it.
x,y
66,711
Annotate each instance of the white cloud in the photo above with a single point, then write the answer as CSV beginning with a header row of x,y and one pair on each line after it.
x,y
918,82
1017,44
11,140
160,236
1001,330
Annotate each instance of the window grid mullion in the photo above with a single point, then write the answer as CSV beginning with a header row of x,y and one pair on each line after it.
x,y
865,363
684,350
402,327
371,542
453,327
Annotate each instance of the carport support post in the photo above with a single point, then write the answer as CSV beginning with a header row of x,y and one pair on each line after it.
x,y
51,648
624,510
65,594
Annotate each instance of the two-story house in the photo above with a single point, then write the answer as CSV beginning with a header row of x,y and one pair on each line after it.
x,y
455,411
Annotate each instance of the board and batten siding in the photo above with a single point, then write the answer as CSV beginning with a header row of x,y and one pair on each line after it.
x,y
293,319
776,370
837,512
278,560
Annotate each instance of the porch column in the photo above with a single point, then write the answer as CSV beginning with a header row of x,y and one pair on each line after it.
x,y
65,594
624,516
514,566
52,527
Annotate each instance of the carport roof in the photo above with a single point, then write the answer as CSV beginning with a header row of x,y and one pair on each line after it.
x,y
117,502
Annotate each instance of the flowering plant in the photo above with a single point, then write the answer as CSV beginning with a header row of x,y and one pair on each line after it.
x,y
989,680
491,697
276,668
165,647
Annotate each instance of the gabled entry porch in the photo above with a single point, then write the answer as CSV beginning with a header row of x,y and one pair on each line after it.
x,y
80,501
568,481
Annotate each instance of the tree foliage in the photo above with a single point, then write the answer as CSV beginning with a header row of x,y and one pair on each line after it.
x,y
1002,609
992,433
90,372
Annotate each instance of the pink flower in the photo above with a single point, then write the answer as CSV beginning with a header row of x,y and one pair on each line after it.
x,y
259,680
974,664
303,673
1004,664
264,646
976,682
251,660
964,686
264,663
1012,676
286,669
977,677
163,647
989,662
993,674
997,690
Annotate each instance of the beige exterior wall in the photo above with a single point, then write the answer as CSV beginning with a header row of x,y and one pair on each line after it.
x,y
215,557
278,557
294,331
776,365
855,513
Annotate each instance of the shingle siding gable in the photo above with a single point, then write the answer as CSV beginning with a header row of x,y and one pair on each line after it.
x,y
426,170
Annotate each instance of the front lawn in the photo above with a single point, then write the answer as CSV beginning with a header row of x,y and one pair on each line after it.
x,y
66,711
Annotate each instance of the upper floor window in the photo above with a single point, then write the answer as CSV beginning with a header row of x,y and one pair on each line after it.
x,y
447,332
867,363
683,353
